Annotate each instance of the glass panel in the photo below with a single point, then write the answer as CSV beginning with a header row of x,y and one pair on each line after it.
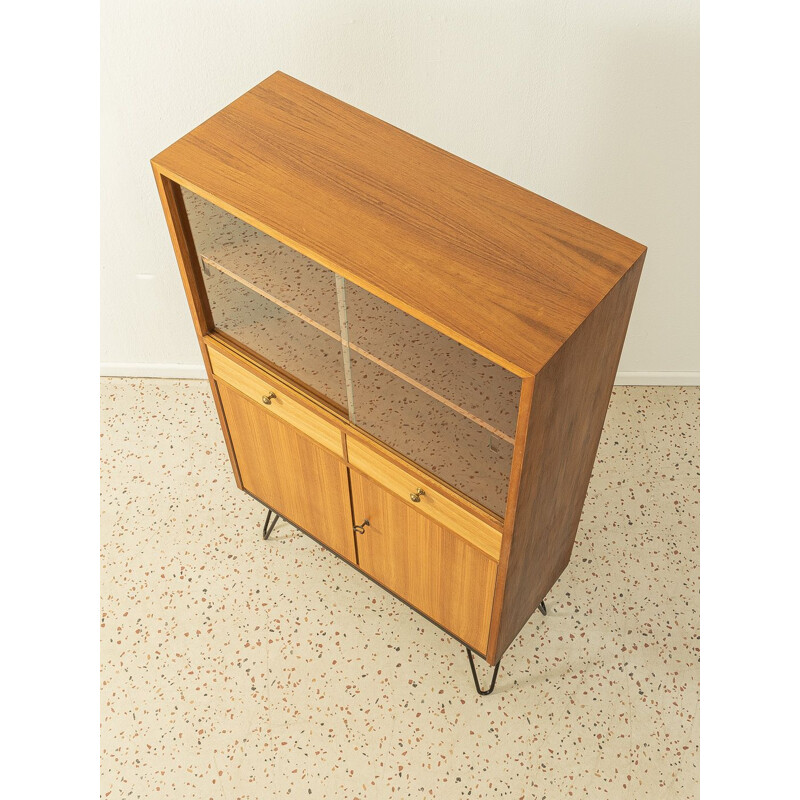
x,y
447,408
270,298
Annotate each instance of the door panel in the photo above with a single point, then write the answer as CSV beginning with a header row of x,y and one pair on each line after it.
x,y
427,565
289,472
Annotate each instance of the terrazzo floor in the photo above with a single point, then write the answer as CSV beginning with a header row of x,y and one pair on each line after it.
x,y
237,668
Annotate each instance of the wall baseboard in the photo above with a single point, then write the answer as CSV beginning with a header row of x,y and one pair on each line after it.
x,y
657,379
113,369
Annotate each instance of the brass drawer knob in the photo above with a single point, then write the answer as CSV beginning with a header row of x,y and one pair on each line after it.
x,y
416,495
267,398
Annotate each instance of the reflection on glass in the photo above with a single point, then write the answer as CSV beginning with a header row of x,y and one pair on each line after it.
x,y
424,356
437,402
281,337
433,435
269,297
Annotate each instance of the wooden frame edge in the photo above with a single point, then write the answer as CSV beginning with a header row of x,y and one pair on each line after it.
x,y
545,378
185,254
523,423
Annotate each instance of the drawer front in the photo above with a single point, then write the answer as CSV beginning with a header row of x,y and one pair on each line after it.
x,y
423,562
430,502
251,384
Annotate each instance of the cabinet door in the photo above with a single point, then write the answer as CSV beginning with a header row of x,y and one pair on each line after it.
x,y
289,472
429,566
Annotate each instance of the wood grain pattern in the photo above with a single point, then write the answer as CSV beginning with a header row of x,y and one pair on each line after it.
x,y
570,401
289,472
496,267
256,386
432,504
427,565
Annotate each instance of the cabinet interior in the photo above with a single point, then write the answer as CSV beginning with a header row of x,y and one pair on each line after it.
x,y
435,401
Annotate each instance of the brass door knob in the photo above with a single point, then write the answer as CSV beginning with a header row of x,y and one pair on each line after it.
x,y
416,495
267,398
360,528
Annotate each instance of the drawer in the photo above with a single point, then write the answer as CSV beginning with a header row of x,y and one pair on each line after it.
x,y
253,384
429,501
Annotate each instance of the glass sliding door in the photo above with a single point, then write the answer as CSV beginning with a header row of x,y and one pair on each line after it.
x,y
432,399
271,298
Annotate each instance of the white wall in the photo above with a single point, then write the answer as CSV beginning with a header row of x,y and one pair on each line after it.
x,y
593,104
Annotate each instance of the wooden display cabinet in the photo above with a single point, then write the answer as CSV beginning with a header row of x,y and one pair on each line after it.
x,y
411,358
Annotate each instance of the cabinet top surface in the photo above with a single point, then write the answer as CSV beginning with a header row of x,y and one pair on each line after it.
x,y
497,267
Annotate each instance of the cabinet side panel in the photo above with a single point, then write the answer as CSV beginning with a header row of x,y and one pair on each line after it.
x,y
571,396
186,255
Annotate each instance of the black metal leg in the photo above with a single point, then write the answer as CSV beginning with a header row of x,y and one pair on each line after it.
x,y
268,526
543,608
475,674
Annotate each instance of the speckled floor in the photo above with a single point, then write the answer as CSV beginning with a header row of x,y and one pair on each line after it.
x,y
238,668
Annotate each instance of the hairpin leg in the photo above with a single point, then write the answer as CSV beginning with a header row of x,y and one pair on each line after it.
x,y
270,522
475,675
543,608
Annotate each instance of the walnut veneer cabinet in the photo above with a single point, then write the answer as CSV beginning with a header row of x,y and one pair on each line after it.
x,y
411,357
